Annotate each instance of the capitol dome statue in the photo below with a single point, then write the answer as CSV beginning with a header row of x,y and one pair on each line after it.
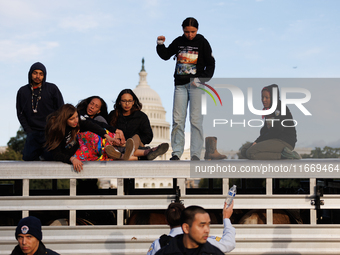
x,y
153,108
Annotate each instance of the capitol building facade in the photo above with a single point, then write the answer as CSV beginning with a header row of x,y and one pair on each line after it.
x,y
153,108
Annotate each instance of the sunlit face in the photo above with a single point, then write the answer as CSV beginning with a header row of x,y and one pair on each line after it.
x,y
126,101
190,32
28,243
93,107
73,120
37,78
198,232
266,99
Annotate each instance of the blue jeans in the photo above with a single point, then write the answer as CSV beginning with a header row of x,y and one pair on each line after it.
x,y
184,95
34,147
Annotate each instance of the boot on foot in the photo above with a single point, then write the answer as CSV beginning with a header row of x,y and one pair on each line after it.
x,y
211,149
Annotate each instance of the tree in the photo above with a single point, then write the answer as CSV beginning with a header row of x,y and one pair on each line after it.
x,y
17,143
326,152
10,154
15,146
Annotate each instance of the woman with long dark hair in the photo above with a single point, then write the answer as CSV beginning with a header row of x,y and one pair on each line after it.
x,y
72,139
94,108
128,117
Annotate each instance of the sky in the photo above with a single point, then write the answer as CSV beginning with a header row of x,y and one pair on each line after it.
x,y
96,47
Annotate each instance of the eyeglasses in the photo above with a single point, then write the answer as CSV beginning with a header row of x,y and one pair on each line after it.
x,y
127,101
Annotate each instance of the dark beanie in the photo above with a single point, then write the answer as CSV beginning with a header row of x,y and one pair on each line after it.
x,y
29,225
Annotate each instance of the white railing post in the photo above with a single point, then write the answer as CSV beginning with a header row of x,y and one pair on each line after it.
x,y
73,193
120,192
269,192
225,187
181,185
25,193
312,192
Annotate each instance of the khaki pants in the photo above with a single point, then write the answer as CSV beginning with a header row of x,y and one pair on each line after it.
x,y
267,150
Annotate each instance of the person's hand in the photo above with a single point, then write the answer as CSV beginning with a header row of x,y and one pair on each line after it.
x,y
120,135
228,211
196,82
253,144
116,142
110,140
77,164
160,39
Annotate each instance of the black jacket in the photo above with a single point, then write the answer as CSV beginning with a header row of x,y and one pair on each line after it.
x,y
276,130
176,247
135,124
50,101
42,250
66,150
99,123
194,58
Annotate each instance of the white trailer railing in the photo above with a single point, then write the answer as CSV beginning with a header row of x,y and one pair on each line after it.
x,y
312,238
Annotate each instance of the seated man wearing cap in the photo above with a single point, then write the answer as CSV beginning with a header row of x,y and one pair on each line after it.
x,y
29,235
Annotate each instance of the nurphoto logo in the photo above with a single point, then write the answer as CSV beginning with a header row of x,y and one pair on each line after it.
x,y
239,105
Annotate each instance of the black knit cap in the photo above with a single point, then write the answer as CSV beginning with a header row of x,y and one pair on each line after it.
x,y
29,225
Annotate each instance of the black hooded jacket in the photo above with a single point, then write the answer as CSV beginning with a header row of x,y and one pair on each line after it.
x,y
99,123
194,58
273,128
51,100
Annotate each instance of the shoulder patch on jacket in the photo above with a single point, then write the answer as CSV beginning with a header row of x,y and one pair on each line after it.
x,y
218,238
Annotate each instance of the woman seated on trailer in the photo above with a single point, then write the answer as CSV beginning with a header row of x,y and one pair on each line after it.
x,y
94,108
72,139
276,141
128,117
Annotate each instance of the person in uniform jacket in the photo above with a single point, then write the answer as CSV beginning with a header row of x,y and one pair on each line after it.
x,y
29,236
195,222
226,243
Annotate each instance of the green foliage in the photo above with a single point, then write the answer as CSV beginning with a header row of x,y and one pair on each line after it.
x,y
39,184
17,143
63,184
289,183
10,154
204,183
326,152
42,184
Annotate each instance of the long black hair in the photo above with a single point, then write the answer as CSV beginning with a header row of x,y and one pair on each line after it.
x,y
117,108
82,105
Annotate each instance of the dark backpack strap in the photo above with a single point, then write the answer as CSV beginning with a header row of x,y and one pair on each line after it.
x,y
164,240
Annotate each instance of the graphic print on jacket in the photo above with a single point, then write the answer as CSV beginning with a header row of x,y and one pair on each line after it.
x,y
187,60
